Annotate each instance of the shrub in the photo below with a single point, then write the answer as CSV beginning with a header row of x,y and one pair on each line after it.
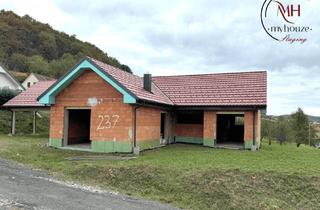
x,y
6,94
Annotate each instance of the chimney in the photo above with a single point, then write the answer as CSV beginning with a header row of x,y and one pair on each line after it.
x,y
147,82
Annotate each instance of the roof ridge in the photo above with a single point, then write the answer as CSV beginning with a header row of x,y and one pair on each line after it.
x,y
134,77
186,91
123,71
40,76
240,72
142,81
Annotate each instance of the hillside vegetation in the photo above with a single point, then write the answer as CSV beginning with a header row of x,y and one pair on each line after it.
x,y
297,128
27,45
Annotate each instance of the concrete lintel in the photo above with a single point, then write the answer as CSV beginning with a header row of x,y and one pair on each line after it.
x,y
78,107
231,113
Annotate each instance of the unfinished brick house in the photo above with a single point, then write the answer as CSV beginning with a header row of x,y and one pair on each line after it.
x,y
99,108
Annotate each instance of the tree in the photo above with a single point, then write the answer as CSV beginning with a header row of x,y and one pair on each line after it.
x,y
125,68
300,127
267,128
18,62
282,129
48,46
3,55
6,94
25,37
313,135
38,64
61,66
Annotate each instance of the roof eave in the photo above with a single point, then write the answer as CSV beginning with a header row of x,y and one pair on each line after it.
x,y
220,107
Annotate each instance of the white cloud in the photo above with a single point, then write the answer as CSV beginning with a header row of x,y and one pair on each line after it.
x,y
43,11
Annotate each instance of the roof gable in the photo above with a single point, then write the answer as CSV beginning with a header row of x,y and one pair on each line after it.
x,y
48,97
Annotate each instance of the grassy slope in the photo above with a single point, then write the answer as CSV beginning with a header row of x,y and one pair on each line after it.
x,y
20,76
191,177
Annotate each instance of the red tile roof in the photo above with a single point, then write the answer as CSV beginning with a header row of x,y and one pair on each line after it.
x,y
221,89
134,84
28,97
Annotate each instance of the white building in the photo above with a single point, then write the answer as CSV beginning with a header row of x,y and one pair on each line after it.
x,y
33,78
8,81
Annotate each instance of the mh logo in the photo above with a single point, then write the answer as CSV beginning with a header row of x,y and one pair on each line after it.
x,y
288,11
280,21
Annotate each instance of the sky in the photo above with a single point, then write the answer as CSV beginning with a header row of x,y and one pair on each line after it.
x,y
193,37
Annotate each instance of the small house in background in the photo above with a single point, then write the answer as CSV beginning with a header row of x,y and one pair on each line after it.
x,y
8,81
33,78
99,108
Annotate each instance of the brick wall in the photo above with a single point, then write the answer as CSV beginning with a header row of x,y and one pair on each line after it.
x,y
209,128
110,118
248,122
258,127
56,121
189,127
148,127
148,123
190,130
248,128
209,125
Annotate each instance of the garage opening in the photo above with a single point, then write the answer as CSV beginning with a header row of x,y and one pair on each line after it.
x,y
230,129
78,134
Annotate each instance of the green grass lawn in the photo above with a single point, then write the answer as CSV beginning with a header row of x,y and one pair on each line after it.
x,y
190,176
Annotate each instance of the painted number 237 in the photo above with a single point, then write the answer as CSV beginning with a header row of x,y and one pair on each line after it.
x,y
107,121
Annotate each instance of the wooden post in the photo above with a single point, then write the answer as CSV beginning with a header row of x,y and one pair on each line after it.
x,y
34,122
13,123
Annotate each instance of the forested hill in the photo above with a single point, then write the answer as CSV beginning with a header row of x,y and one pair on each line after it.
x,y
314,119
27,45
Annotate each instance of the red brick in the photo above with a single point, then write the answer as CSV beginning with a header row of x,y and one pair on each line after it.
x,y
209,125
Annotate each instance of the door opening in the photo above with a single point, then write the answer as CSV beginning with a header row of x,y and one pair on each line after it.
x,y
163,128
230,129
78,128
